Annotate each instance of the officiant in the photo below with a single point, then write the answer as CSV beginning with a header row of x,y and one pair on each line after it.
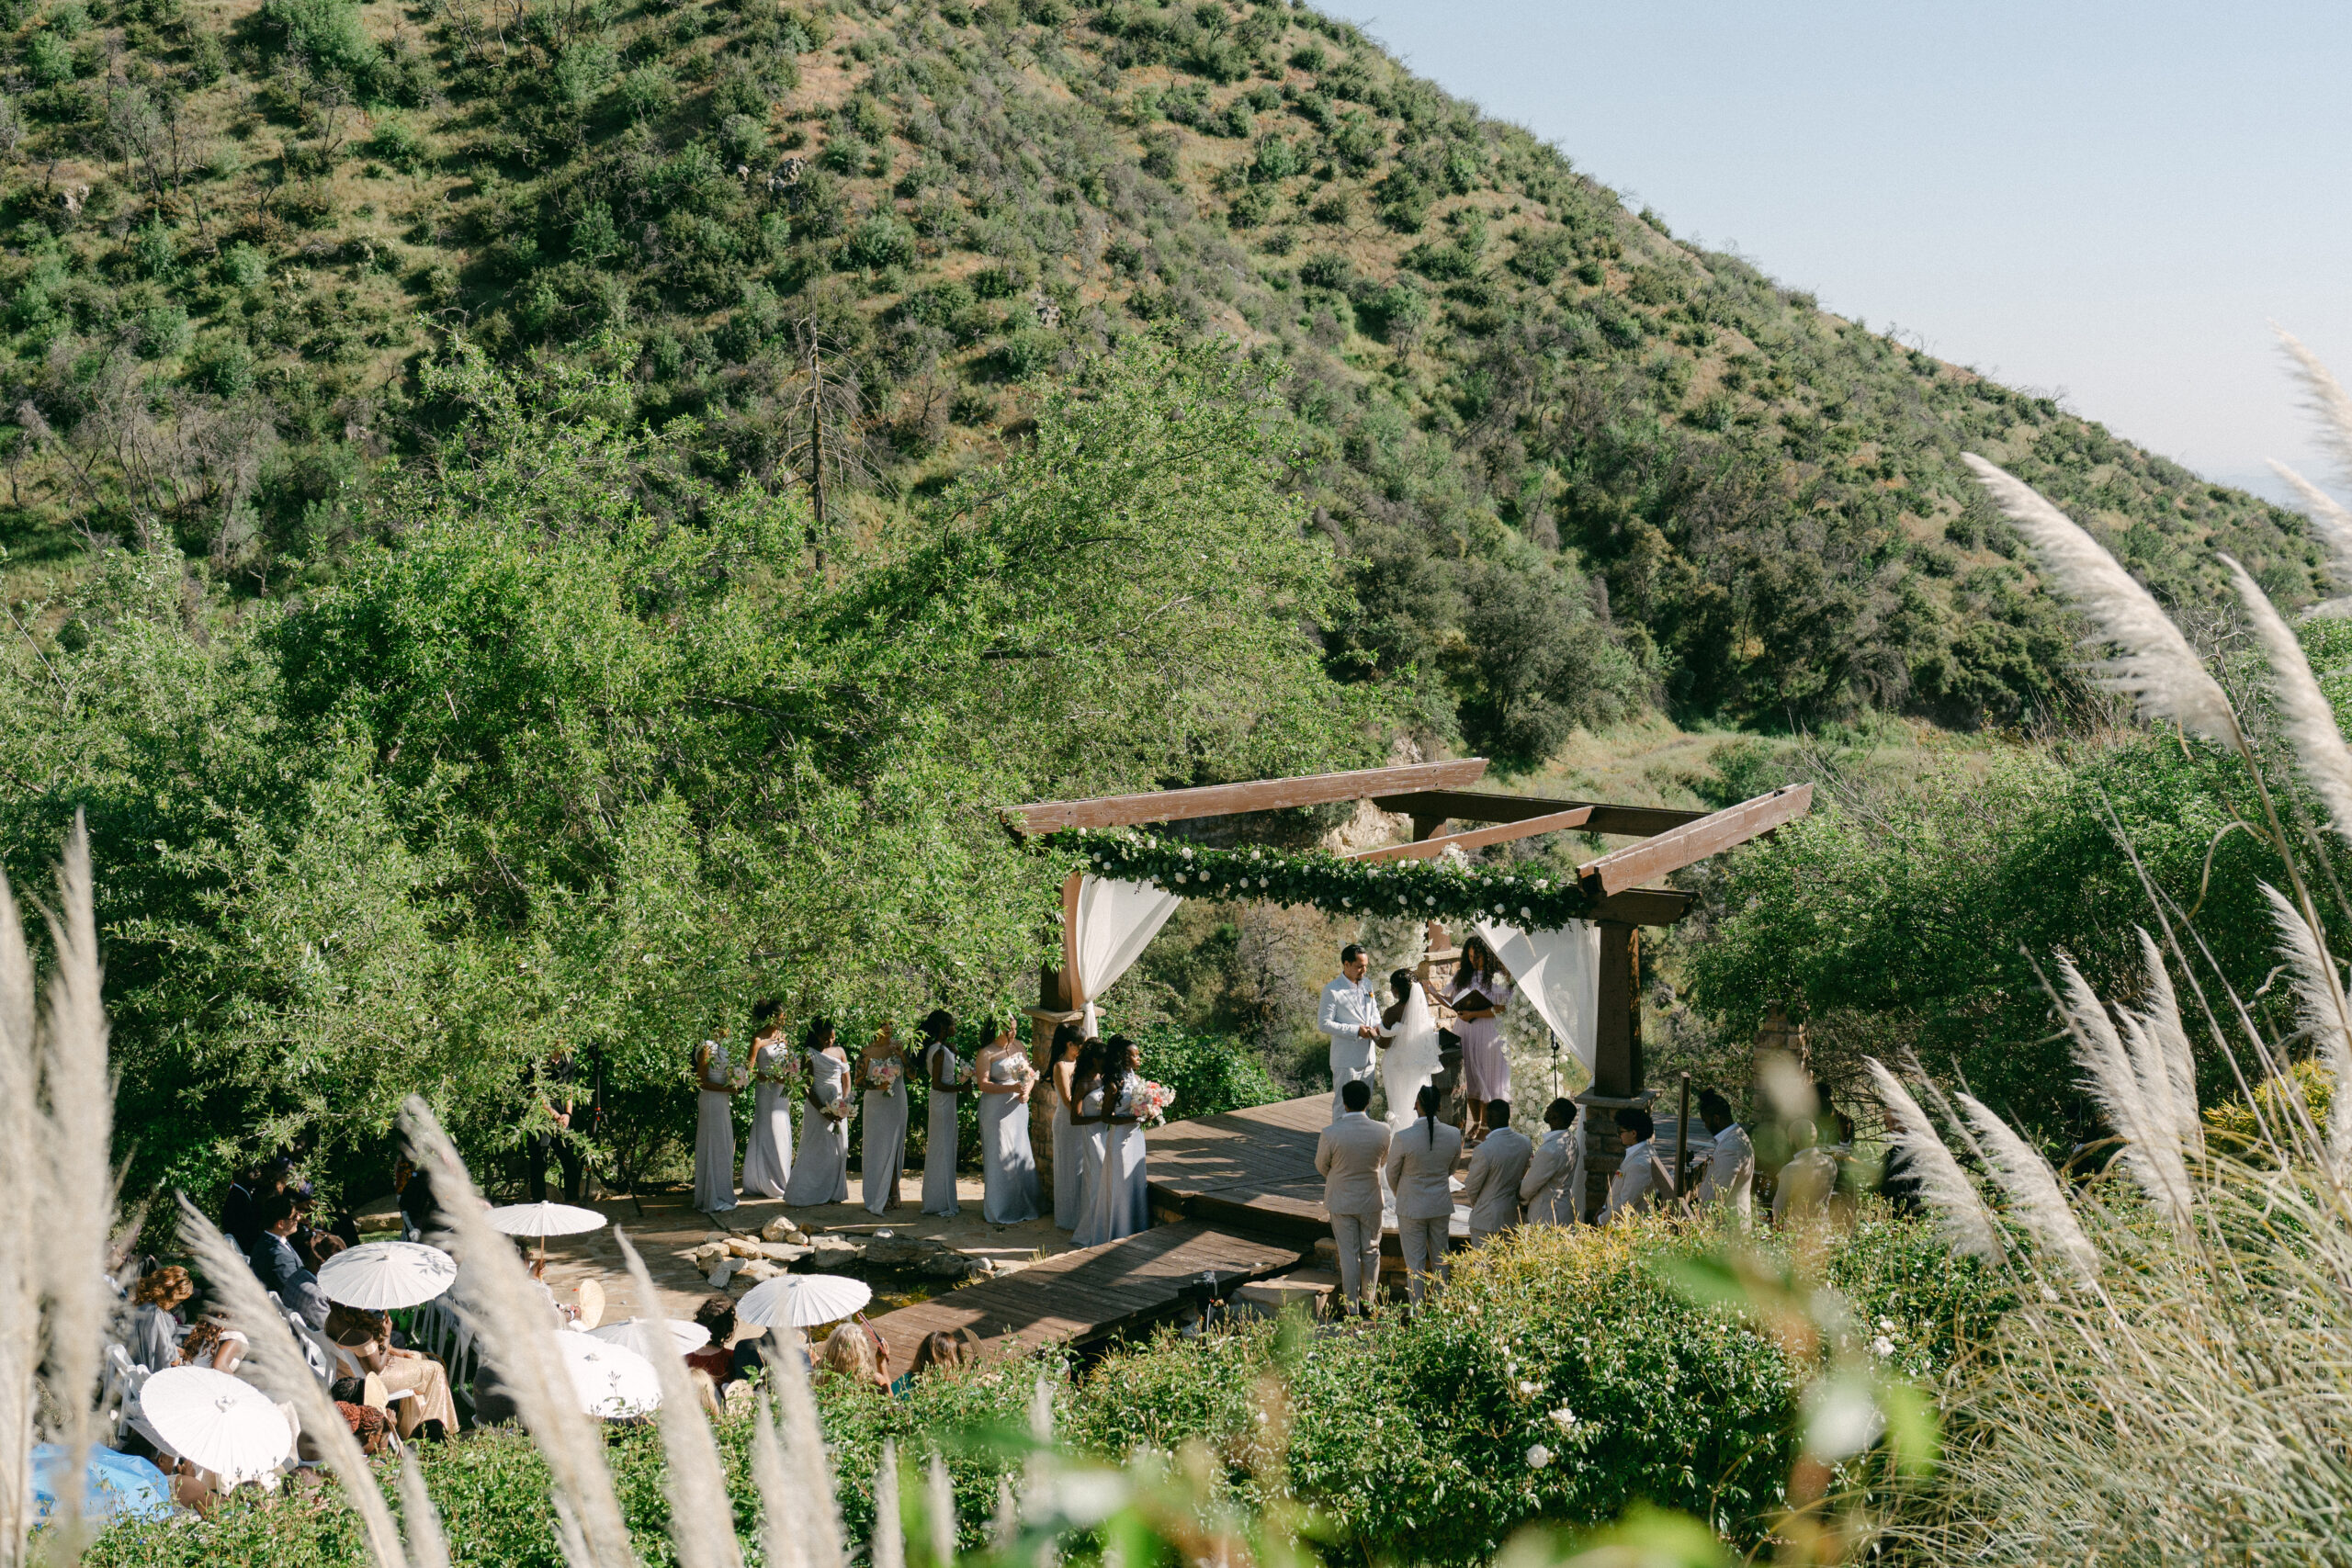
x,y
1350,1018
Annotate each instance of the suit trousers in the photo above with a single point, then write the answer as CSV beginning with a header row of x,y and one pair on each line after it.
x,y
1424,1243
1358,1237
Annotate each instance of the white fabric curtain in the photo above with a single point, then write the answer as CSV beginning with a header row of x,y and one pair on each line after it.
x,y
1558,974
1116,920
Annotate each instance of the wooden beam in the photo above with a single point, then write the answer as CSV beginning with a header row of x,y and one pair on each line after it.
x,y
1644,907
1694,841
1223,800
1617,1028
1558,821
1436,805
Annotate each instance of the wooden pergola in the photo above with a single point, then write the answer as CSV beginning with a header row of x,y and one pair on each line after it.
x,y
1436,795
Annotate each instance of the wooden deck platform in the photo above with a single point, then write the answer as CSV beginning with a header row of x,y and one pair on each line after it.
x,y
1254,1171
1237,1193
1086,1293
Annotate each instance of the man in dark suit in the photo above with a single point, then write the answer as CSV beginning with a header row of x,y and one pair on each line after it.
x,y
279,1269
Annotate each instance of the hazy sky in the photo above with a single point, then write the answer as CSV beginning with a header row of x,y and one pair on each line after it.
x,y
2108,202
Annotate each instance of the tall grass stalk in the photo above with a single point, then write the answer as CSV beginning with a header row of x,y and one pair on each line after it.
x,y
702,1516
23,1171
512,1322
2176,1386
281,1368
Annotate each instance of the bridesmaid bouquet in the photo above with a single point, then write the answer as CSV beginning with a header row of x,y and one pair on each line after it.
x,y
779,1068
1149,1103
883,1073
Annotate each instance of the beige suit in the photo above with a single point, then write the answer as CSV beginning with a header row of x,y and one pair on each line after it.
x,y
1349,1155
1421,1169
1491,1184
1546,1188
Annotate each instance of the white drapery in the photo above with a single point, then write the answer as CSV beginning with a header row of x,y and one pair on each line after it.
x,y
1111,925
1411,1059
1558,973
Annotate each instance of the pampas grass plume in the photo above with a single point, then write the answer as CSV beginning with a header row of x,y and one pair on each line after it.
x,y
780,1522
2035,1197
2325,396
77,1199
2319,996
21,1172
939,1509
281,1368
890,1544
516,1331
1949,1193
2332,523
808,1467
2161,1019
2118,1081
702,1517
2156,666
2304,711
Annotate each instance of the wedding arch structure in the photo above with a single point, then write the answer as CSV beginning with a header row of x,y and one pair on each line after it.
x,y
1581,975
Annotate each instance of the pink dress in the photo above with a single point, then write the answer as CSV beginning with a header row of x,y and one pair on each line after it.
x,y
1486,1071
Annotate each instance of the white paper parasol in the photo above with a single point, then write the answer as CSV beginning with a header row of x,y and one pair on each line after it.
x,y
803,1301
613,1381
381,1275
544,1219
640,1333
217,1422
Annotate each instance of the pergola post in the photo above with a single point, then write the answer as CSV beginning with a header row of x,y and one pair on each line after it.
x,y
1616,1058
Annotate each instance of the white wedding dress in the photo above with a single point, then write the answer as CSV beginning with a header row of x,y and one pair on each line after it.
x,y
1411,1059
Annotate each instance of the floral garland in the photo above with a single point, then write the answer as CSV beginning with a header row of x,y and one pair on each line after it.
x,y
1436,889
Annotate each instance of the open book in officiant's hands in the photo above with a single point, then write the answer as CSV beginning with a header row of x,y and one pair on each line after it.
x,y
1472,1000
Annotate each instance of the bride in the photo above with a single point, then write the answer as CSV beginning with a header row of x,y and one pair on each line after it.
x,y
1408,1032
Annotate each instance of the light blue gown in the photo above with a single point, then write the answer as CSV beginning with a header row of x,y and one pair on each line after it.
x,y
1008,1165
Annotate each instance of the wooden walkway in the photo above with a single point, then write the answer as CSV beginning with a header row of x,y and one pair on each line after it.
x,y
1086,1293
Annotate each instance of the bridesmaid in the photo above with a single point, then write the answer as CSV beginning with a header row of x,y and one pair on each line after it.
x,y
1068,1193
945,1072
882,1072
821,1174
767,1163
1008,1165
1093,1144
715,1134
1126,1187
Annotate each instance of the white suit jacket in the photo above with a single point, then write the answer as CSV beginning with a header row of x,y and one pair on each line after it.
x,y
1491,1185
1349,1155
1731,1171
1348,1005
1421,1164
1546,1188
1640,1183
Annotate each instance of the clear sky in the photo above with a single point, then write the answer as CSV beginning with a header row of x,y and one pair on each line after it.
x,y
2101,200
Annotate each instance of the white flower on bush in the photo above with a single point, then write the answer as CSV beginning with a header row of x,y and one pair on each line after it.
x,y
1187,854
1538,1456
1886,1326
1564,1419
1527,1389
1523,914
1883,1346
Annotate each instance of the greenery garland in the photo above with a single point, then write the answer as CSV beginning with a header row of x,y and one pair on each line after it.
x,y
1435,889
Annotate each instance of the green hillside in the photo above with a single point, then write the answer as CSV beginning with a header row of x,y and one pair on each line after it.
x,y
1573,466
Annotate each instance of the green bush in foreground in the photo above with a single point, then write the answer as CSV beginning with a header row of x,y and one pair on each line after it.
x,y
1410,1444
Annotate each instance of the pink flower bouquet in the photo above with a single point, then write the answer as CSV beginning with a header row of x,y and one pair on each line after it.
x,y
1150,1101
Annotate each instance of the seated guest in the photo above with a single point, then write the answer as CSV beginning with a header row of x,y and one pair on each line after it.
x,y
278,1268
210,1342
722,1362
154,1339
367,1337
849,1354
1553,1188
1491,1184
1642,1179
943,1351
1730,1160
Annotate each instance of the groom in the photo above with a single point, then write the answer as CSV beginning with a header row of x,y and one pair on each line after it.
x,y
1352,1020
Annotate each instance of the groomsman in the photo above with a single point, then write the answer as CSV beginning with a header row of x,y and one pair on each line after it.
x,y
1641,1180
1731,1162
1350,1017
1491,1184
1349,1155
1553,1188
